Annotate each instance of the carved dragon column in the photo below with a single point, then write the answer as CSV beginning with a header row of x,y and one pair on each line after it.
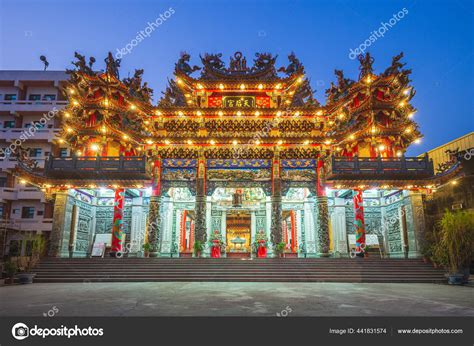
x,y
359,222
276,221
321,211
154,215
117,223
200,207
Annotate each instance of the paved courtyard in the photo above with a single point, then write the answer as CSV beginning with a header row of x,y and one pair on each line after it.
x,y
236,299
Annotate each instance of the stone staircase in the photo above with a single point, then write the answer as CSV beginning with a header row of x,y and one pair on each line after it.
x,y
256,270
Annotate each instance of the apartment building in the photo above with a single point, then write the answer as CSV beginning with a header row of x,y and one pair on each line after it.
x,y
25,98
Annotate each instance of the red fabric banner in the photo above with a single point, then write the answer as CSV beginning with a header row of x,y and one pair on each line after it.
x,y
117,224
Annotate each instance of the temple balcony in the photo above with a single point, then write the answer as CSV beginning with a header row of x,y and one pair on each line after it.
x,y
379,168
97,168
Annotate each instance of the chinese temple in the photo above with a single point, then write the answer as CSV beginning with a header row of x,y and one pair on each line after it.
x,y
238,157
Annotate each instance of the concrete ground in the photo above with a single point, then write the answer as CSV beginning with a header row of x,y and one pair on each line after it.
x,y
236,299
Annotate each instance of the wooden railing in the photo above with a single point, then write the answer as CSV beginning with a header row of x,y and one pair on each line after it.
x,y
380,167
96,166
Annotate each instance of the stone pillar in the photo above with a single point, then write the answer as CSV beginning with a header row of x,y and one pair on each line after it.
x,y
321,215
200,231
73,229
294,242
207,250
154,215
415,218
321,211
180,237
338,222
91,237
359,222
166,238
137,234
224,230
253,230
310,227
268,224
276,220
57,243
117,223
300,233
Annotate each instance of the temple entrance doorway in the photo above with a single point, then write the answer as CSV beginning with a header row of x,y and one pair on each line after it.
x,y
238,236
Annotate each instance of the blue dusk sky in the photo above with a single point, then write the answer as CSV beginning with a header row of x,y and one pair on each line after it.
x,y
436,37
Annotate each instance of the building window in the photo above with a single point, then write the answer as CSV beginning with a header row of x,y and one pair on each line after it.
x,y
34,97
63,152
10,97
2,210
37,124
9,124
35,152
15,248
3,182
49,97
27,212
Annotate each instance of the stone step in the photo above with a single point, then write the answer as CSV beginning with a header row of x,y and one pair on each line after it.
x,y
246,265
184,271
193,273
245,279
230,260
261,270
231,263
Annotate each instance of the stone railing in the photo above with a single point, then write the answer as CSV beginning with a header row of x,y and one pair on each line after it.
x,y
379,168
97,167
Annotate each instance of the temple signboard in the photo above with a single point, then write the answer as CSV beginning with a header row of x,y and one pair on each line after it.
x,y
238,101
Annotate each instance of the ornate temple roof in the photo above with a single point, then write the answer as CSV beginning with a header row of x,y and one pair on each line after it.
x,y
238,102
220,111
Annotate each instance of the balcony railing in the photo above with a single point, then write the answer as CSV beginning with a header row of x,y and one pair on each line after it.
x,y
27,105
25,193
27,224
365,168
97,167
12,134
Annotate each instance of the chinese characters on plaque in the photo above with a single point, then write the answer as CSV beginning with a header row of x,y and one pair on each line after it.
x,y
238,101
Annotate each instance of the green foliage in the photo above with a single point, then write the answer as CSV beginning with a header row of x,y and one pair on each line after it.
x,y
11,268
147,247
439,255
456,239
198,247
38,245
280,248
